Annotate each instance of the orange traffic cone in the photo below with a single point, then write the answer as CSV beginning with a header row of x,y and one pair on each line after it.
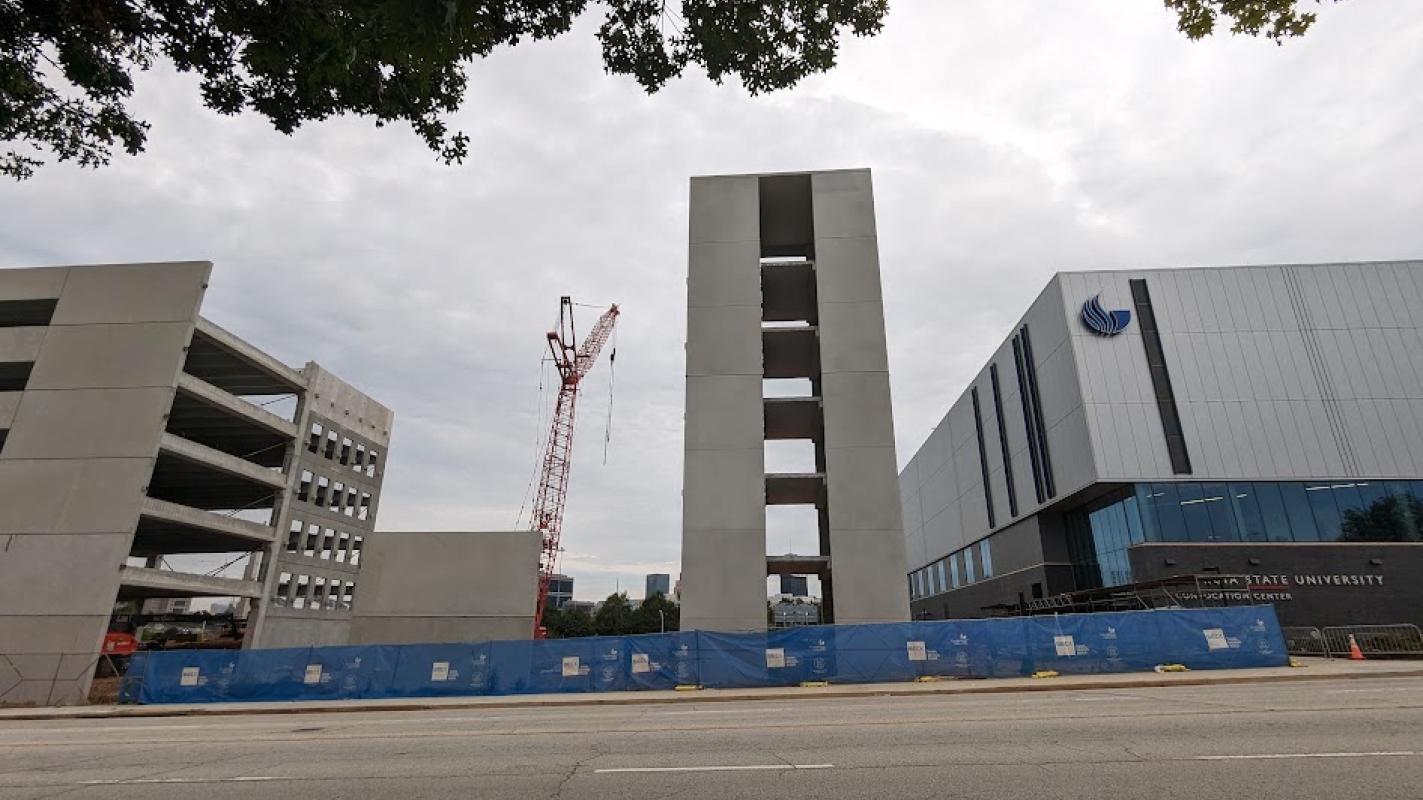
x,y
1355,654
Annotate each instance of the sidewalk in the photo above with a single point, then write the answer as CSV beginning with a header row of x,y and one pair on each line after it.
x,y
1314,669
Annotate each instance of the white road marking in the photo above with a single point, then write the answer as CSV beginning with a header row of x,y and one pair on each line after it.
x,y
1306,755
716,769
127,781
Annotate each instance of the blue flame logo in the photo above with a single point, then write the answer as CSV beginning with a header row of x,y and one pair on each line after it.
x,y
1102,321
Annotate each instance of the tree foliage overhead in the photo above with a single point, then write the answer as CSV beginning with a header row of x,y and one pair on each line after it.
x,y
67,66
1274,19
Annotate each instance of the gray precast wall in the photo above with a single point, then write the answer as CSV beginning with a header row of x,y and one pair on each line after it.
x,y
799,251
446,587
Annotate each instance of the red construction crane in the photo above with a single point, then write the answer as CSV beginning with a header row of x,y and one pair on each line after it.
x,y
573,362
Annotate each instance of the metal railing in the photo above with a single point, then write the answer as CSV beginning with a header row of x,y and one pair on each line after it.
x,y
1305,641
1395,641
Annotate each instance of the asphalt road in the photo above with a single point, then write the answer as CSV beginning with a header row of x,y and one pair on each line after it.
x,y
1325,739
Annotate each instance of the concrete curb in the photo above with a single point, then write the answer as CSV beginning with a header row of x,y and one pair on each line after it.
x,y
986,686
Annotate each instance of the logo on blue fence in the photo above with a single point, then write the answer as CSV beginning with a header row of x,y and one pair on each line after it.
x,y
1101,321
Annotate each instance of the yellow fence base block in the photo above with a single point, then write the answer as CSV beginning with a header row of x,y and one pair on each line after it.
x,y
688,687
1046,673
927,679
813,684
1295,662
1171,668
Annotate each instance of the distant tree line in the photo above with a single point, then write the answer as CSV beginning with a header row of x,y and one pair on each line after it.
x,y
615,617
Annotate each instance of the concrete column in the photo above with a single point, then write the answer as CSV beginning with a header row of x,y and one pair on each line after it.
x,y
723,496
866,529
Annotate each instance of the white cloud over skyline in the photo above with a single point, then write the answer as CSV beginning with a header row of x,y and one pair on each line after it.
x,y
1008,140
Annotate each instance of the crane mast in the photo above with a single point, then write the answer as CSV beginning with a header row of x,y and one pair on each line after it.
x,y
573,362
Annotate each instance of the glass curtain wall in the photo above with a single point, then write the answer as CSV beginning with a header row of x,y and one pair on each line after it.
x,y
1206,512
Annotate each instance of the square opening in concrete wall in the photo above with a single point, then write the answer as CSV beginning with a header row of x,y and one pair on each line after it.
x,y
26,313
791,456
15,375
787,222
793,530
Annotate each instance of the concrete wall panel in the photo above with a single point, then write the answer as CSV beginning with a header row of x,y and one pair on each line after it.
x,y
871,588
289,630
724,580
71,496
843,204
21,344
84,571
453,574
724,340
724,274
852,338
9,404
422,630
41,283
724,490
165,292
847,270
724,412
858,412
863,490
89,423
725,209
111,356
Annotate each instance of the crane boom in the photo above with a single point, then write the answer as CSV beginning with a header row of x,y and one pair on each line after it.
x,y
573,362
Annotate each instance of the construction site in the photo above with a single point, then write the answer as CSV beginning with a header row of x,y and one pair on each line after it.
x,y
136,435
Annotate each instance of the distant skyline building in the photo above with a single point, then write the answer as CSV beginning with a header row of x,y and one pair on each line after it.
x,y
658,583
560,591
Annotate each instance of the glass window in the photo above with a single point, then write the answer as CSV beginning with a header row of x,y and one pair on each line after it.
x,y
1146,511
1193,507
1325,510
1349,497
1301,518
1410,511
918,583
943,584
968,573
1273,516
1245,507
1216,498
1132,509
1170,521
954,570
985,558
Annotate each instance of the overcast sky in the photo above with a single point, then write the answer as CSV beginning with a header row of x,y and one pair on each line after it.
x,y
1008,140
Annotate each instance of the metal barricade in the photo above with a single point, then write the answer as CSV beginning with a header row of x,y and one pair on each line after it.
x,y
1304,641
1394,641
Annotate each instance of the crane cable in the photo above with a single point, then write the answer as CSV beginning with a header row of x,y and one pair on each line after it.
x,y
612,375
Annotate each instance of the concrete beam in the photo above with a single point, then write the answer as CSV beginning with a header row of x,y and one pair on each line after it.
x,y
200,389
795,488
792,417
192,452
165,527
139,582
797,565
284,378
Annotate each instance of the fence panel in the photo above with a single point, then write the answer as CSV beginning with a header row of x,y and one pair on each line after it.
x,y
1207,638
1304,641
1399,641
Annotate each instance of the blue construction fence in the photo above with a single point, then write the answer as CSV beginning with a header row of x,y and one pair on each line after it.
x,y
1207,638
